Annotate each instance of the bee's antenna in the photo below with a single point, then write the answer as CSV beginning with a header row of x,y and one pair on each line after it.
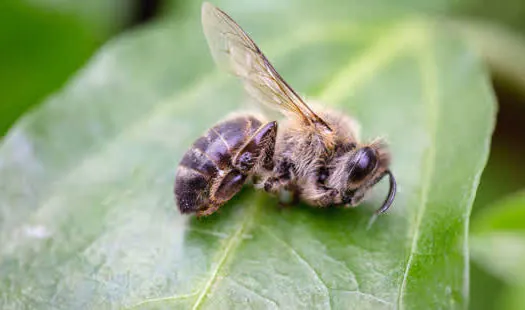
x,y
391,194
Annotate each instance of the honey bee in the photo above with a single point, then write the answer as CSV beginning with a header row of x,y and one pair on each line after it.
x,y
315,156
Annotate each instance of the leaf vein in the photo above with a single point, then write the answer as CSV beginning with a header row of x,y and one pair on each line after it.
x,y
237,283
160,299
213,233
386,48
367,295
230,247
430,96
303,261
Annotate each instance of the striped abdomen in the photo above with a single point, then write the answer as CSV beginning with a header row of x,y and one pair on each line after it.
x,y
207,177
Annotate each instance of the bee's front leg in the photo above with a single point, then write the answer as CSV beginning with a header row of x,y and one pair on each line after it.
x,y
319,194
326,196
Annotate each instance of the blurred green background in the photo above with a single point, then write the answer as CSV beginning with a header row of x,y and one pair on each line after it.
x,y
43,43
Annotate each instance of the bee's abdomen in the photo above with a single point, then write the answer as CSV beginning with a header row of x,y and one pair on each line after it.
x,y
190,187
209,160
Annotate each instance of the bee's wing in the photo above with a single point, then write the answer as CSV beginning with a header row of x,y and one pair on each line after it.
x,y
235,51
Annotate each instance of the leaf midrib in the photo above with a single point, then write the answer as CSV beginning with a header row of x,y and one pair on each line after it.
x,y
428,67
235,240
372,59
231,245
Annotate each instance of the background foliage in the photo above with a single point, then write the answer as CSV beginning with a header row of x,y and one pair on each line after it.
x,y
48,41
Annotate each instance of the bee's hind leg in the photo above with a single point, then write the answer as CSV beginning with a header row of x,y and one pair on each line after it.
x,y
258,150
209,210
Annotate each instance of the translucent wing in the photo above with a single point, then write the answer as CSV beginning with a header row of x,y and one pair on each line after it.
x,y
236,52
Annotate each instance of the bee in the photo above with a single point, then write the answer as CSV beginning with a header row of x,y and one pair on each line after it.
x,y
316,156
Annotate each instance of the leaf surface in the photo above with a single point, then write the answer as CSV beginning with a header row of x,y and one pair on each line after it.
x,y
498,245
498,238
87,216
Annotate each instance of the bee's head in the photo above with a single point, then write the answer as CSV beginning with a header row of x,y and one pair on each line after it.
x,y
364,167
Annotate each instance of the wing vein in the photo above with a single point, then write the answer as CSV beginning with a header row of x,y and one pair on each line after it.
x,y
233,49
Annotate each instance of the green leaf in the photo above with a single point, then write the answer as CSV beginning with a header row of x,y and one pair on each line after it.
x,y
501,50
44,42
87,217
40,48
513,298
498,245
104,18
498,238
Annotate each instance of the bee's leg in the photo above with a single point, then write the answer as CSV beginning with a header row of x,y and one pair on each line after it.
x,y
319,194
323,195
222,190
327,196
270,185
258,150
281,177
209,210
284,170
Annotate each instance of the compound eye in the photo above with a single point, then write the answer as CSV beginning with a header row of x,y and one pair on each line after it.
x,y
364,163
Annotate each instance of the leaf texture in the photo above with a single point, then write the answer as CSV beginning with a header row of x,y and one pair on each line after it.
x,y
87,215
